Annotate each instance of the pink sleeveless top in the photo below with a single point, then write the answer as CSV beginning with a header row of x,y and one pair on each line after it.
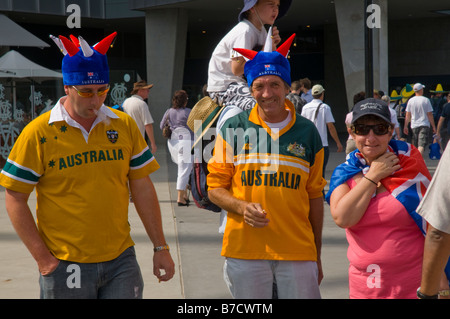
x,y
385,251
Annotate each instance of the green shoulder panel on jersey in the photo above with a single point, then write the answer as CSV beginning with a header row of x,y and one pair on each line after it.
x,y
301,140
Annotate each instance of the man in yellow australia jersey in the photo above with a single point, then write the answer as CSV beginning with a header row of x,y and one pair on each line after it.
x,y
266,172
81,156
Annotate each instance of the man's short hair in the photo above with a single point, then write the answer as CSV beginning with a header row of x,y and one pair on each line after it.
x,y
295,86
306,83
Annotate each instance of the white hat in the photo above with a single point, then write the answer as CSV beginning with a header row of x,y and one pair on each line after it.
x,y
418,87
317,89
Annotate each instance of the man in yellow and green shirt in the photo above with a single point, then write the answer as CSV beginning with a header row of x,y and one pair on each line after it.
x,y
267,173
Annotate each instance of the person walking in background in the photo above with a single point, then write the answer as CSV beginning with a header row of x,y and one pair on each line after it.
x,y
369,198
180,142
350,144
320,114
394,119
305,88
377,94
438,99
295,98
443,127
136,107
419,113
81,156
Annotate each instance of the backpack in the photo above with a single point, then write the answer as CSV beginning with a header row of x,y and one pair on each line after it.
x,y
401,110
199,187
118,107
199,173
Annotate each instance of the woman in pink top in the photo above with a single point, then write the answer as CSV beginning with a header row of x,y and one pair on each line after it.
x,y
374,195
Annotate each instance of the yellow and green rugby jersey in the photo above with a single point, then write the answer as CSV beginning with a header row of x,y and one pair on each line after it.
x,y
281,172
81,181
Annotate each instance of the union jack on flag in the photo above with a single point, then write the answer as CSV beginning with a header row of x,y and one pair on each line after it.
x,y
408,185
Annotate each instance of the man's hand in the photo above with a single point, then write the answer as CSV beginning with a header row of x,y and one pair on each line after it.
x,y
255,216
276,39
49,266
163,261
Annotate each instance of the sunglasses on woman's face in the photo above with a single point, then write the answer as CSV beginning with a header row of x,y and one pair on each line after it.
x,y
363,129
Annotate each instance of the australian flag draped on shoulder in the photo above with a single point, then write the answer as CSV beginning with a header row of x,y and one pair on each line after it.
x,y
408,185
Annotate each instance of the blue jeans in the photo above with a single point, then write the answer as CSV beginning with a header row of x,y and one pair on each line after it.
x,y
119,278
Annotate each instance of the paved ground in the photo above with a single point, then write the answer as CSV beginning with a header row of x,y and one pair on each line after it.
x,y
195,244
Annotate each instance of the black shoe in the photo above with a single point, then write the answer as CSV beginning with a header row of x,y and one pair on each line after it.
x,y
183,204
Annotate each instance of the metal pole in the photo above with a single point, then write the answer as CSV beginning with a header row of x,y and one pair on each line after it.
x,y
368,38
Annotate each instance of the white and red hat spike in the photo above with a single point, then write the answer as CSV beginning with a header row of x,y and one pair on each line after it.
x,y
58,44
70,47
85,47
283,49
74,40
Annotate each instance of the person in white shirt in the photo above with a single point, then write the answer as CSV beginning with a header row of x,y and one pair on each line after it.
x,y
136,107
394,119
419,113
226,84
434,209
320,114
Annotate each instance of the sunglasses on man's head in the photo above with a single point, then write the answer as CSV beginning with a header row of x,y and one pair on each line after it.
x,y
90,93
363,129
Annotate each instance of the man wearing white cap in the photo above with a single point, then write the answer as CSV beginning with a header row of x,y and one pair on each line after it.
x,y
420,113
320,114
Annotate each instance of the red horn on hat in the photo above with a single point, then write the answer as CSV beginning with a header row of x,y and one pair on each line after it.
x,y
103,46
249,54
284,48
75,40
70,47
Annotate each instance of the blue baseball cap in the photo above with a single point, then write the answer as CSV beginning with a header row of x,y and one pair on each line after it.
x,y
248,4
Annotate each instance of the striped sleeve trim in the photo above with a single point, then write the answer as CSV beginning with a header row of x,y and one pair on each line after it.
x,y
272,159
20,173
140,160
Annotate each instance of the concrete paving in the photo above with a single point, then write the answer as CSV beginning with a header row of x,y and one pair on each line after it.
x,y
192,234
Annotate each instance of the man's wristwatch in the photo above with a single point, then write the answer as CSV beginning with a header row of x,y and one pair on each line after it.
x,y
422,296
160,248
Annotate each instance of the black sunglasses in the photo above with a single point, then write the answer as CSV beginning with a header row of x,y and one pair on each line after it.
x,y
363,129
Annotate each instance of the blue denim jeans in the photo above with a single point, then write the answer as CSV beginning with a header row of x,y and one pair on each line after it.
x,y
119,278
